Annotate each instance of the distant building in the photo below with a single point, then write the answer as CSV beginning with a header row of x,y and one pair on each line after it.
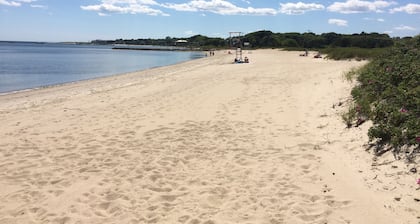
x,y
181,42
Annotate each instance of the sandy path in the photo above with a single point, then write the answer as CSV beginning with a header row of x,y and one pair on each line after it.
x,y
205,141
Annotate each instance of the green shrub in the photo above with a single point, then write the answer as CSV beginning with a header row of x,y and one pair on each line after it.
x,y
388,93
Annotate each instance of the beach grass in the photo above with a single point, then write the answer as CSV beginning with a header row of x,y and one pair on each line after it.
x,y
342,53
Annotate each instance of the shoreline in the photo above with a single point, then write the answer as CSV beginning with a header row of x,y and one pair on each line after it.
x,y
202,141
64,69
87,81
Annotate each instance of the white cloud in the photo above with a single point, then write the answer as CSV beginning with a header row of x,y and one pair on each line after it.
x,y
221,7
409,8
125,7
359,6
9,3
299,8
39,6
182,7
403,27
373,19
338,22
190,33
15,3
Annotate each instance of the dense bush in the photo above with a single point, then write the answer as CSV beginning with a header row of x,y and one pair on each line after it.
x,y
388,93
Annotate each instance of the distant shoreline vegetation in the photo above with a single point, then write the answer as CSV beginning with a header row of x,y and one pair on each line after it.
x,y
337,46
268,39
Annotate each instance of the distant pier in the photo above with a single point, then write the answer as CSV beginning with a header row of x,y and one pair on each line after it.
x,y
150,48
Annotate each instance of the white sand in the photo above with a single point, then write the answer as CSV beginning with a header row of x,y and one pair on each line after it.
x,y
205,141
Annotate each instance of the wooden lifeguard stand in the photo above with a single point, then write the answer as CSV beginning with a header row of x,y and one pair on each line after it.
x,y
236,43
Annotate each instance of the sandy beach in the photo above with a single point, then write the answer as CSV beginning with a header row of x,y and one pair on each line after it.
x,y
201,142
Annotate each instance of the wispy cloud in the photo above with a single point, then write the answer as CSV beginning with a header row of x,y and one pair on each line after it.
x,y
299,8
190,33
404,27
337,22
102,14
359,6
373,19
125,7
409,8
221,7
39,6
15,3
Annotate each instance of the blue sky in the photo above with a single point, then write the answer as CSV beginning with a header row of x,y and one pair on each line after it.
x,y
85,20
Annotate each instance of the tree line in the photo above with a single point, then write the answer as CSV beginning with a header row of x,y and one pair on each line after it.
x,y
197,41
268,39
264,39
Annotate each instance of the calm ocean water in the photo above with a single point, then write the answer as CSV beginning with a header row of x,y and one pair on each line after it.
x,y
31,65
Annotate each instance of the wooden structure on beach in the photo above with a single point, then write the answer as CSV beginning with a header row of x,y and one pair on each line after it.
x,y
236,43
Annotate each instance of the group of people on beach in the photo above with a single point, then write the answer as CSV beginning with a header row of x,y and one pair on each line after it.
x,y
238,60
317,55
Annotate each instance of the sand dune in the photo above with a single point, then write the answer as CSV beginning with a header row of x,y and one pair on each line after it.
x,y
205,141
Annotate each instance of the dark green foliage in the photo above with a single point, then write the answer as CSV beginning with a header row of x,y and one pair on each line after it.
x,y
206,42
268,39
290,43
197,41
262,39
388,93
